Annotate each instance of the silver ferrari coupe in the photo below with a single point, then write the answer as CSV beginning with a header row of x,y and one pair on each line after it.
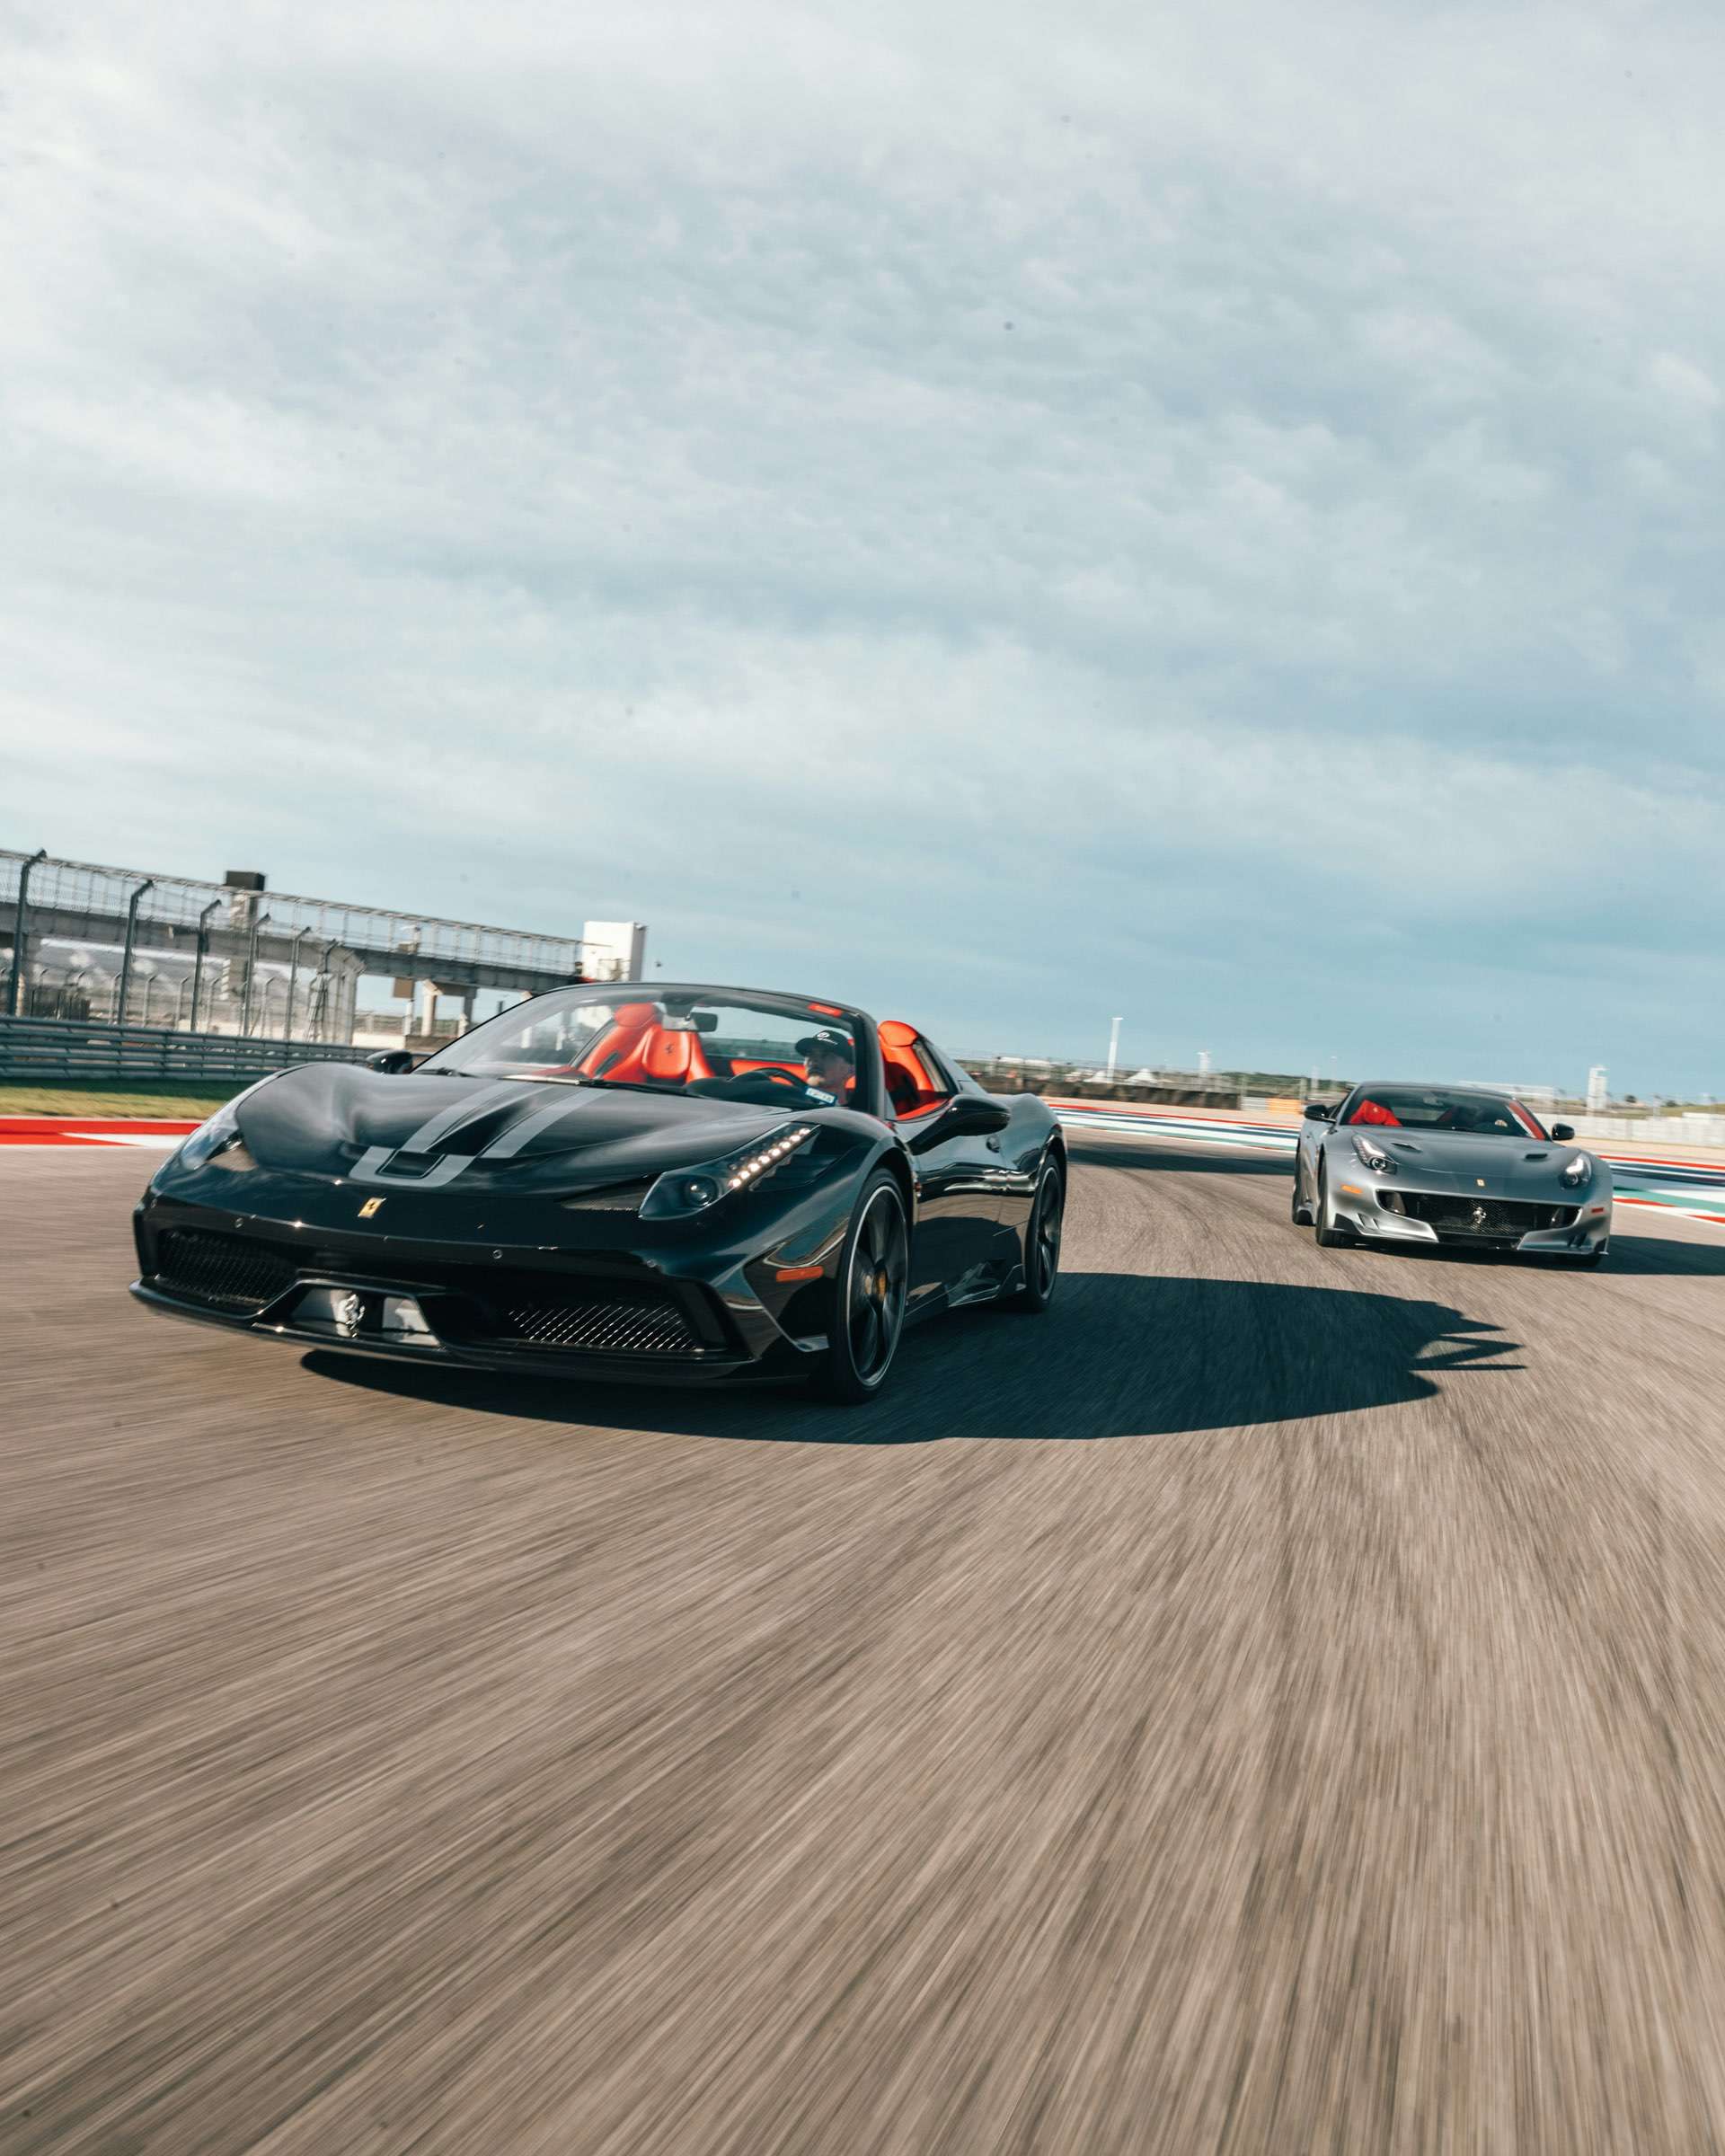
x,y
1459,1165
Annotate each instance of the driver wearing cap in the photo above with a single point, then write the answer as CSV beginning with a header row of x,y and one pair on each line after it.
x,y
830,1060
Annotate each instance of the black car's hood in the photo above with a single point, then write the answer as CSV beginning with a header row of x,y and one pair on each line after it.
x,y
341,1119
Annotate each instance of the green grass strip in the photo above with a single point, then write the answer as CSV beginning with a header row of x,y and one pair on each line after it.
x,y
95,1100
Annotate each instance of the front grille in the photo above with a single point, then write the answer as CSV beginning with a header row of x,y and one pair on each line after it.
x,y
223,1271
603,1318
1492,1219
466,1304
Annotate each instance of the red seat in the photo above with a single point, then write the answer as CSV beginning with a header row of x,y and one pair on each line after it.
x,y
910,1086
673,1059
635,1048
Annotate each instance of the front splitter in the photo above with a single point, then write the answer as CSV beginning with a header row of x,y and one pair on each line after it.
x,y
557,1364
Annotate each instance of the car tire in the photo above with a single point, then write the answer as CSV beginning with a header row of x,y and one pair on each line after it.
x,y
1042,1242
1325,1231
1298,1211
870,1286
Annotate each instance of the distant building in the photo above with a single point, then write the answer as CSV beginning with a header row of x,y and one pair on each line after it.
x,y
1598,1095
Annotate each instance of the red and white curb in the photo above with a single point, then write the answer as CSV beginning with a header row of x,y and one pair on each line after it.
x,y
152,1134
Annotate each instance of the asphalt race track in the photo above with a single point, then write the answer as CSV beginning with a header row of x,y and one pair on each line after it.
x,y
1275,1703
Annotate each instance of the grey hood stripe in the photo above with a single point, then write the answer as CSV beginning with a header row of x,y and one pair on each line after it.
x,y
523,1133
450,1119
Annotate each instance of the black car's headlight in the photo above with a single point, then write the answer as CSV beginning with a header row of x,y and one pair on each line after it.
x,y
1578,1172
686,1191
219,1141
1373,1155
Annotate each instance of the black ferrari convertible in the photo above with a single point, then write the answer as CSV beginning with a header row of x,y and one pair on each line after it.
x,y
617,1182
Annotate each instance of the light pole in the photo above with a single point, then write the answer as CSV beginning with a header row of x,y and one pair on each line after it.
x,y
300,936
126,956
198,963
251,975
318,999
21,934
1114,1026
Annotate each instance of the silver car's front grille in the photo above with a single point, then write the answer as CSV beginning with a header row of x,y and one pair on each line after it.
x,y
1492,1219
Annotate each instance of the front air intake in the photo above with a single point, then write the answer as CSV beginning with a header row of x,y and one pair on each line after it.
x,y
603,1318
221,1272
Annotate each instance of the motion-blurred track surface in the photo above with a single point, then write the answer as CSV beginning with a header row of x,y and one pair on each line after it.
x,y
1277,1702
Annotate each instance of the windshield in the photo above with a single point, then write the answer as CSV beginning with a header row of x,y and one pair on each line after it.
x,y
1441,1107
778,1052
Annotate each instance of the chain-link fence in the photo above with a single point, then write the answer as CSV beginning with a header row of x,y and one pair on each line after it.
x,y
283,1003
376,935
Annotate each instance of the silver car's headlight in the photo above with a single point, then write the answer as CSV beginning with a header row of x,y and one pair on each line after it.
x,y
1579,1170
1373,1155
686,1191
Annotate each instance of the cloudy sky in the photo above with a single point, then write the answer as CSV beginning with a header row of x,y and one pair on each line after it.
x,y
1007,514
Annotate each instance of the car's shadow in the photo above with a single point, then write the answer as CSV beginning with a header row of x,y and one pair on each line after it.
x,y
1120,1354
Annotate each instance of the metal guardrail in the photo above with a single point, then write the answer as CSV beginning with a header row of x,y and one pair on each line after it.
x,y
386,1028
47,1048
1071,1084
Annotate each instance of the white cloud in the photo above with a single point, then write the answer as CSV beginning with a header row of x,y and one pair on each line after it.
x,y
1689,388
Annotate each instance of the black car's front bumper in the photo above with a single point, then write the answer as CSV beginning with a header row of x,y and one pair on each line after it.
x,y
606,1315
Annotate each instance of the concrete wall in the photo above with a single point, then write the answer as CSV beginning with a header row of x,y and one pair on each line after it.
x,y
1652,1131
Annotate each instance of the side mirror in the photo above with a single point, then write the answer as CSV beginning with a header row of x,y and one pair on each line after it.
x,y
392,1059
966,1116
1320,1111
1561,1131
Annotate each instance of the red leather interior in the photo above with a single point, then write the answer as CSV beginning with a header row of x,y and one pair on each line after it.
x,y
635,1047
1374,1111
674,1058
910,1085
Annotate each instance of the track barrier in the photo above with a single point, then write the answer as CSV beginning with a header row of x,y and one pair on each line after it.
x,y
42,1050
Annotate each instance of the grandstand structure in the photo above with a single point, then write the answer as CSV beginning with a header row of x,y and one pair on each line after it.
x,y
87,941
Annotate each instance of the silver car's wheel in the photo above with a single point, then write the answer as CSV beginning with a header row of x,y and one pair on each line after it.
x,y
1298,1210
1327,1234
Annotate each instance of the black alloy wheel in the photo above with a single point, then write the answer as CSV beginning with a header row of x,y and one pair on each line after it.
x,y
868,1295
1042,1242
